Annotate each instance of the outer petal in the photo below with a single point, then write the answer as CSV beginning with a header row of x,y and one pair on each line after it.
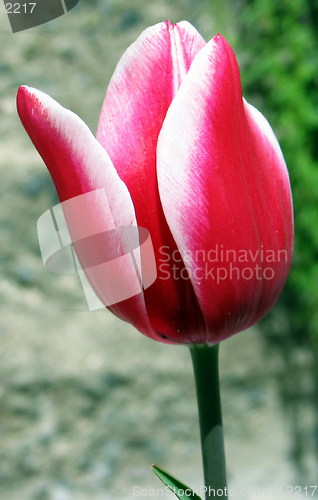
x,y
139,95
224,187
78,164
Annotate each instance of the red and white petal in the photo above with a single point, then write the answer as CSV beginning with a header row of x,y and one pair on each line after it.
x,y
95,200
145,81
224,187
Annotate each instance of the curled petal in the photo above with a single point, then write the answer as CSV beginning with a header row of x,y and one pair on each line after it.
x,y
79,165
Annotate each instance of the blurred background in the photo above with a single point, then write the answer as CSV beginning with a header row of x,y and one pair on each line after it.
x,y
87,403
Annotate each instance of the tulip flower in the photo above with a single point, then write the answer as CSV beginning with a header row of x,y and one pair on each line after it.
x,y
180,153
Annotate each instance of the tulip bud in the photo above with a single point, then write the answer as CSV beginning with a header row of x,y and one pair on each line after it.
x,y
180,153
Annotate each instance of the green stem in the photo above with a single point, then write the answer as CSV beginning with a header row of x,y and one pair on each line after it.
x,y
206,374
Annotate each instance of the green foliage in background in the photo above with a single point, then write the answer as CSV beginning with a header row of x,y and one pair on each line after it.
x,y
282,68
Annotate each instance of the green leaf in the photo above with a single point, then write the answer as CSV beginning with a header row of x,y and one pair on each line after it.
x,y
180,490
